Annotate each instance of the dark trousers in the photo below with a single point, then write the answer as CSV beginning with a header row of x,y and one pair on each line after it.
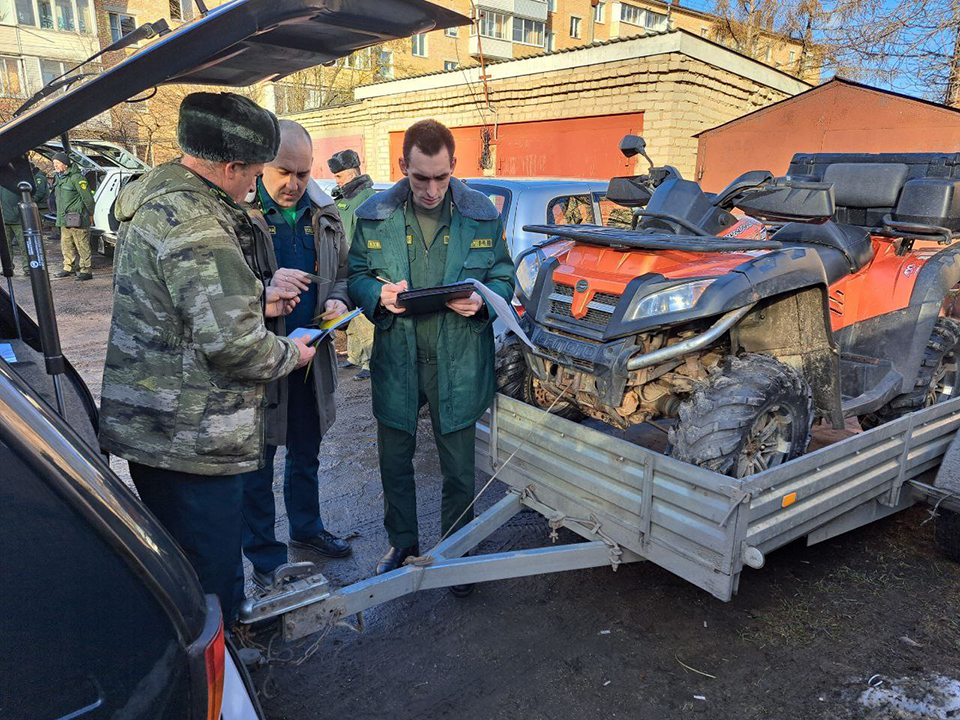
x,y
396,449
300,483
202,513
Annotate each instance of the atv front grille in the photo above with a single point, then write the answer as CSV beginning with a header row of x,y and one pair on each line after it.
x,y
599,309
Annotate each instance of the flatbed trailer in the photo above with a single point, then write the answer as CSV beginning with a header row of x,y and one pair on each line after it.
x,y
631,503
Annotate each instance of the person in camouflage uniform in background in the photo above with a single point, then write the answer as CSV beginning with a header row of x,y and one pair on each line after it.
x,y
9,207
189,356
352,190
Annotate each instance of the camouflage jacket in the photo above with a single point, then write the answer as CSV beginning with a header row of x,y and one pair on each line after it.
x,y
189,356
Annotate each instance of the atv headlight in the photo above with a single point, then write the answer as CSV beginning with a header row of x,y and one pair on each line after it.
x,y
529,266
673,299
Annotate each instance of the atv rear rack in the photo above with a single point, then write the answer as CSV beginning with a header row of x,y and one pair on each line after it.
x,y
617,237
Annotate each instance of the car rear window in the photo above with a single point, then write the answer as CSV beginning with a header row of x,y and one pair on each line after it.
x,y
611,214
498,195
570,210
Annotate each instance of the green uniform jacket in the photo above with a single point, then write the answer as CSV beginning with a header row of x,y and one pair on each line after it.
x,y
349,198
465,353
9,201
189,357
331,247
73,195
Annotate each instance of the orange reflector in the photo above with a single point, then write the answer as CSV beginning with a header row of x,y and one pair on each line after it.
x,y
788,500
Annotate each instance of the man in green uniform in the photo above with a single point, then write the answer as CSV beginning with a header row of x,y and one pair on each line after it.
x,y
189,356
74,213
352,190
429,229
9,202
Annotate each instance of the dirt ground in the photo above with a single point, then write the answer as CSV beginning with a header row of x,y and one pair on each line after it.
x,y
862,626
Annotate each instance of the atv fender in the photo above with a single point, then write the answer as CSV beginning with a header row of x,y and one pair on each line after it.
x,y
794,327
935,279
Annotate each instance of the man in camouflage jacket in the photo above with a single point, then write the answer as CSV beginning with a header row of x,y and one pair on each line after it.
x,y
189,356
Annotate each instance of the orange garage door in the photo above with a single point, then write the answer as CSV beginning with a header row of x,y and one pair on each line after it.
x,y
574,148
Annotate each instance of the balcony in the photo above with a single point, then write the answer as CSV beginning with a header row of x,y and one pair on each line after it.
x,y
493,49
530,9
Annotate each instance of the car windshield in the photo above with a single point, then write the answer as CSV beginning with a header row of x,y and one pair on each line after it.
x,y
111,156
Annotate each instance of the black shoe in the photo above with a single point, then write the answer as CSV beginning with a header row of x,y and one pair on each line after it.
x,y
64,273
325,544
461,591
362,375
346,365
84,276
395,557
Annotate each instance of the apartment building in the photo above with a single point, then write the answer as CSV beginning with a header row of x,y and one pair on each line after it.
x,y
513,29
40,40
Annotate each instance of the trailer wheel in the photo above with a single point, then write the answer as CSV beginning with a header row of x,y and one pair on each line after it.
x,y
947,534
751,414
938,380
515,380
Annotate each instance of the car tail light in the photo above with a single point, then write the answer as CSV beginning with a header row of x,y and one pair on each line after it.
x,y
207,655
213,661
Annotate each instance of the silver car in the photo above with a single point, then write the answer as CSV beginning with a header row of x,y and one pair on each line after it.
x,y
535,201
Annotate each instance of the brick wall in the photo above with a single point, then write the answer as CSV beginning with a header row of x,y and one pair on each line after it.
x,y
678,95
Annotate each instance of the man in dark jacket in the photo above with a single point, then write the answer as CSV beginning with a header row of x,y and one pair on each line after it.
x,y
307,239
352,191
9,202
429,229
75,208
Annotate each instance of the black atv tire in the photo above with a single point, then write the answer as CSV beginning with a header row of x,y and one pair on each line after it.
x,y
947,534
939,360
745,400
515,380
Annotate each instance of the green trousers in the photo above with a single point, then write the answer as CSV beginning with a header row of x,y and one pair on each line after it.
x,y
396,449
14,235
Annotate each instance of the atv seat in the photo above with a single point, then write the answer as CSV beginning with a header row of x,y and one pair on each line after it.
x,y
843,249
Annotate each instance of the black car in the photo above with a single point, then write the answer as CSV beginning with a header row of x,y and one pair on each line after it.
x,y
102,615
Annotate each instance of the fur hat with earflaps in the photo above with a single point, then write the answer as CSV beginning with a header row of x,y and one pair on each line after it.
x,y
344,160
226,127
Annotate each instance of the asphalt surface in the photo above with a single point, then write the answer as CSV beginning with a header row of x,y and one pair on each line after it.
x,y
801,639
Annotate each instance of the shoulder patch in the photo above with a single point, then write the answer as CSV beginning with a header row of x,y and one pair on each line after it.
x,y
83,184
273,229
308,229
481,243
409,239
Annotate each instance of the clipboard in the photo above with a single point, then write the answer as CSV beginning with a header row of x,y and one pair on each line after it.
x,y
315,334
433,299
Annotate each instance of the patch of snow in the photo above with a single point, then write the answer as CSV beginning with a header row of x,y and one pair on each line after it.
x,y
931,697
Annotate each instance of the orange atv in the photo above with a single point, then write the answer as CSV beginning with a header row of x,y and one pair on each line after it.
x,y
744,317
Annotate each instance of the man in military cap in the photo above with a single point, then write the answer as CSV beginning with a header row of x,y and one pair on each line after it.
x,y
352,190
305,238
75,206
189,356
427,230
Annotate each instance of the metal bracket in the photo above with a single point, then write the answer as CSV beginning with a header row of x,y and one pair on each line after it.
x,y
891,498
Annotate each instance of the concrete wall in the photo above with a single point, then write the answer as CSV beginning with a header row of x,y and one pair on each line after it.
x,y
678,95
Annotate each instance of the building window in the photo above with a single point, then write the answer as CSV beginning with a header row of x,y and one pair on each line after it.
x,y
65,21
121,25
450,64
634,15
176,10
452,32
360,60
574,26
83,17
11,84
551,5
528,32
793,56
492,25
45,14
703,32
766,55
419,45
599,12
385,67
25,14
551,41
